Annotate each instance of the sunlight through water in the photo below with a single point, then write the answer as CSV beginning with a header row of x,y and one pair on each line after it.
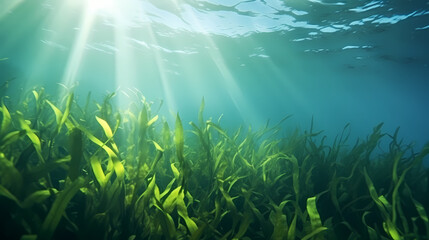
x,y
251,60
214,119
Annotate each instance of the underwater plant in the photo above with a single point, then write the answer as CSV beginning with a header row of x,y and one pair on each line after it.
x,y
67,174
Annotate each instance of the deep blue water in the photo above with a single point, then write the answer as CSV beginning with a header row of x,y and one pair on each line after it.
x,y
358,62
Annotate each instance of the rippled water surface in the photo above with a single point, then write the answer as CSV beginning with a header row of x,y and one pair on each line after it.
x,y
362,62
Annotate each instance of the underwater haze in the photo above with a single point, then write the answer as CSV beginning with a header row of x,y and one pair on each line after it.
x,y
358,62
214,119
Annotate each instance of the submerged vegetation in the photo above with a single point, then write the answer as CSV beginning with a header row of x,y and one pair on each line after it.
x,y
97,172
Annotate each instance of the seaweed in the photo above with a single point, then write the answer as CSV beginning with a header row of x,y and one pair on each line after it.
x,y
125,174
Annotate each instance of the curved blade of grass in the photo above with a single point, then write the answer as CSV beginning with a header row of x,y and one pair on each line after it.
x,y
6,120
314,233
315,220
37,197
36,95
279,221
106,128
4,192
389,226
66,111
152,121
371,232
159,148
117,165
179,140
167,189
420,210
98,170
148,193
183,212
108,132
58,115
292,228
244,225
423,215
32,136
175,171
42,170
12,137
170,201
58,207
295,174
10,177
167,223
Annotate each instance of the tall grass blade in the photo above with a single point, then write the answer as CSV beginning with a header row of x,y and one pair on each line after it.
x,y
6,120
58,207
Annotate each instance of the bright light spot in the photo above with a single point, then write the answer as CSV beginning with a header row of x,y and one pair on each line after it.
x,y
103,6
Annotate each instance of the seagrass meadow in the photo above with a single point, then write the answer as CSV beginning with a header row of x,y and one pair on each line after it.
x,y
93,171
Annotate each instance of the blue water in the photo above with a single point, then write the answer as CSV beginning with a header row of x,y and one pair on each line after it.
x,y
358,62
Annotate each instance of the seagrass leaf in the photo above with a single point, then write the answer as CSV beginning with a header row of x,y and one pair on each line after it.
x,y
315,220
170,202
58,207
106,128
11,137
179,140
58,113
37,197
183,212
66,111
6,120
152,121
32,136
159,148
76,152
314,233
4,192
371,232
292,228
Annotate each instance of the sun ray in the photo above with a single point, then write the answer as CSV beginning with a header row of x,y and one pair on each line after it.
x,y
228,81
168,93
77,51
51,35
125,69
8,7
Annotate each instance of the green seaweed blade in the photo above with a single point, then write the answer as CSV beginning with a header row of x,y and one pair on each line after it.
x,y
76,152
58,207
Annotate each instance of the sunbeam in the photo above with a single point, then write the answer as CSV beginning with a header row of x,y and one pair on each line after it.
x,y
8,7
77,51
227,79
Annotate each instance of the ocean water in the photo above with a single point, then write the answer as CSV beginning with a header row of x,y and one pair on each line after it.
x,y
72,168
339,62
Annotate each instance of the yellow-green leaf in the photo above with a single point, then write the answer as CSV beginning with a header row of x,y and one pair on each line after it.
x,y
6,120
105,126
170,201
152,121
315,220
159,148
